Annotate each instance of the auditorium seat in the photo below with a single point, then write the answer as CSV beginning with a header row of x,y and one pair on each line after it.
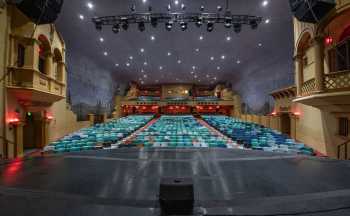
x,y
179,132
255,136
99,135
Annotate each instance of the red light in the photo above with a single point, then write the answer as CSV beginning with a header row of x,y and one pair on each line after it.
x,y
210,108
273,113
217,107
329,40
49,117
183,108
297,113
13,120
144,108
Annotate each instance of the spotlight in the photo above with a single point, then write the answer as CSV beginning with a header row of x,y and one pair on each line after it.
x,y
183,7
169,7
154,22
183,25
219,8
237,27
168,26
142,26
125,25
202,8
210,26
253,24
116,28
199,21
228,23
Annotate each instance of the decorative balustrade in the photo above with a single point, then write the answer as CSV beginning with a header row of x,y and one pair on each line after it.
x,y
31,79
308,87
338,81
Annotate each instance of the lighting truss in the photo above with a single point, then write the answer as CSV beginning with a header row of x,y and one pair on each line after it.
x,y
202,18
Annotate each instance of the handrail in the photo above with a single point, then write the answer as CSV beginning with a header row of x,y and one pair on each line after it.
x,y
345,145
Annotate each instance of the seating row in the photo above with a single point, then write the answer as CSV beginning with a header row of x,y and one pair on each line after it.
x,y
256,136
99,135
179,131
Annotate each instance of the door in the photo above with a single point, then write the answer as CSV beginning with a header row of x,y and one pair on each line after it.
x,y
285,124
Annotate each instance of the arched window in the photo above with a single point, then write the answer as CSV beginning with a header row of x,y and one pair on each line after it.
x,y
44,52
57,65
20,55
339,57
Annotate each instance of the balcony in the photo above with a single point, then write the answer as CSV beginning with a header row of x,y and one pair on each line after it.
x,y
335,90
32,88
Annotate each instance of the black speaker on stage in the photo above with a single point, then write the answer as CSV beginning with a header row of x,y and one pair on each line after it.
x,y
40,11
176,196
311,11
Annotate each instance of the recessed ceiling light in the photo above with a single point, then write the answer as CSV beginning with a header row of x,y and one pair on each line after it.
x,y
128,64
142,50
228,38
201,37
265,3
90,5
169,53
267,21
212,58
105,53
131,57
81,16
153,38
101,39
223,57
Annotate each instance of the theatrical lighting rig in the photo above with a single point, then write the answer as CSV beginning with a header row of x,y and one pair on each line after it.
x,y
181,18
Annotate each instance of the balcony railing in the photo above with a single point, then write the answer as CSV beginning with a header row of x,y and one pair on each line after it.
x,y
32,79
308,87
337,81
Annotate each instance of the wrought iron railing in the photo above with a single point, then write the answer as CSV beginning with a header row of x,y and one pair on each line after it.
x,y
337,81
308,87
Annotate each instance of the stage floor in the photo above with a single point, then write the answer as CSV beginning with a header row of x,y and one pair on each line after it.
x,y
126,182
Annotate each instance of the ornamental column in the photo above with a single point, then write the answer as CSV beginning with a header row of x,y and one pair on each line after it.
x,y
299,77
319,63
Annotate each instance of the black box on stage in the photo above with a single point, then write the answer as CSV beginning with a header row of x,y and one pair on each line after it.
x,y
176,196
311,11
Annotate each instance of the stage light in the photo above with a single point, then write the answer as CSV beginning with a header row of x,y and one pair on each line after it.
x,y
210,26
125,25
202,8
153,38
183,26
142,26
116,28
228,23
183,7
168,26
237,27
169,7
267,21
199,21
253,24
81,16
219,8
154,22
265,3
90,5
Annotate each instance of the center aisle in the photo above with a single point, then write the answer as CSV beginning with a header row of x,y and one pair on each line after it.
x,y
177,132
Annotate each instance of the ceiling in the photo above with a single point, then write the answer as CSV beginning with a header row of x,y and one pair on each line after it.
x,y
179,56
